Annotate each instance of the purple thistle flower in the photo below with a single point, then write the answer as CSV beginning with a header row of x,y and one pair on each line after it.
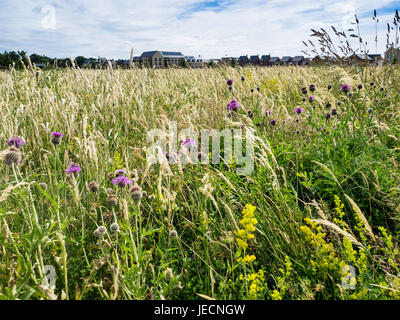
x,y
312,87
273,122
188,143
298,110
74,169
233,105
345,88
328,116
229,82
121,181
56,137
16,142
303,90
311,99
268,113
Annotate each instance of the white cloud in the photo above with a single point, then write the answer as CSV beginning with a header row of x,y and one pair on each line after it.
x,y
111,28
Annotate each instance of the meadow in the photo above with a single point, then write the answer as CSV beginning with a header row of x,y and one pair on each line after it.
x,y
318,218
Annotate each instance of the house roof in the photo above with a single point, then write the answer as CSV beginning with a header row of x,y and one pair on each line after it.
x,y
273,59
363,56
165,54
243,58
286,58
254,58
265,57
298,58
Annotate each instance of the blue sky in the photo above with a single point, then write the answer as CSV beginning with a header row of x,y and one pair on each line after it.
x,y
212,29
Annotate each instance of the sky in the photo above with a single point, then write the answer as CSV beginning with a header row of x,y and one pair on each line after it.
x,y
209,28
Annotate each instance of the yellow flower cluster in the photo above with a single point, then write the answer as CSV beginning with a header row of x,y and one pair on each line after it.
x,y
326,258
256,282
247,259
248,222
339,211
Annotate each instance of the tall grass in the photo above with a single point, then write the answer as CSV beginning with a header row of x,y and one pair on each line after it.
x,y
302,163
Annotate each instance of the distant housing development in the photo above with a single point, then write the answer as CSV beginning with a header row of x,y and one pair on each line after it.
x,y
158,59
167,59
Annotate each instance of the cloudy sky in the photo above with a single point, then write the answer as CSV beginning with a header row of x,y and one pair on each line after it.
x,y
210,28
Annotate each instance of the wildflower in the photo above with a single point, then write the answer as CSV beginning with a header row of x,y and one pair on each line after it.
x,y
329,86
229,82
350,94
230,88
312,87
93,186
173,234
119,172
371,83
328,116
248,221
233,105
303,90
258,89
339,103
110,176
112,200
189,143
74,169
136,193
250,114
13,156
360,86
56,137
311,99
247,259
43,185
16,142
334,112
121,181
134,175
345,88
100,231
328,105
114,227
268,113
303,99
298,110
251,90
369,110
242,78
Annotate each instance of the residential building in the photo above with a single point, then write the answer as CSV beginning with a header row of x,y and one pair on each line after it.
x,y
264,59
243,60
255,59
286,60
161,59
299,61
274,61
